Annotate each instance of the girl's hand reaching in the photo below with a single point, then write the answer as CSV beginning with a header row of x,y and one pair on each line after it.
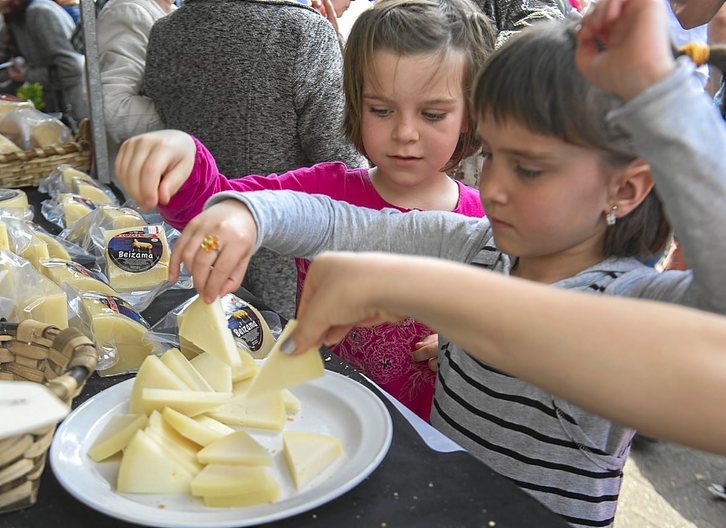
x,y
357,279
623,46
428,350
153,166
216,272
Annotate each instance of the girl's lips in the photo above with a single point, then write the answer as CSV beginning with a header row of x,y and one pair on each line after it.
x,y
404,161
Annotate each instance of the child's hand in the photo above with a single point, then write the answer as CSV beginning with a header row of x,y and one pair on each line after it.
x,y
623,46
216,272
428,350
339,293
152,167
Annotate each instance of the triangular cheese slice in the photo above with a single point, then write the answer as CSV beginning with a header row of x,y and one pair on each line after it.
x,y
206,327
308,454
189,403
217,480
280,371
116,435
236,448
145,468
153,374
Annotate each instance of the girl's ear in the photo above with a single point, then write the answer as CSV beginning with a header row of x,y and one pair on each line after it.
x,y
630,187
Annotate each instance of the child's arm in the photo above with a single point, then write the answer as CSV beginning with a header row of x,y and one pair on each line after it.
x,y
302,225
676,128
536,333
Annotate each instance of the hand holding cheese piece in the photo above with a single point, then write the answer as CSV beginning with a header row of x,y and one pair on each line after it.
x,y
280,371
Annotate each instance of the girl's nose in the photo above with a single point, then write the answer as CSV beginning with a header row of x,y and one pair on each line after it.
x,y
405,130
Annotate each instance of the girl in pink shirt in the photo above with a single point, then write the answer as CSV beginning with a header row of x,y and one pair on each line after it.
x,y
408,70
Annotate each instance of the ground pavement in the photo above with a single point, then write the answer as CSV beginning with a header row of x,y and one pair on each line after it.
x,y
665,487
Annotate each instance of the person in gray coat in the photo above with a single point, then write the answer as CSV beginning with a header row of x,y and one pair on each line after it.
x,y
259,82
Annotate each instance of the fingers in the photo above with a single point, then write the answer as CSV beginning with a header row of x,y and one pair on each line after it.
x,y
427,348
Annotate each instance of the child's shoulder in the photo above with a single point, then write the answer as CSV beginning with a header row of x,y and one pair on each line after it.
x,y
469,201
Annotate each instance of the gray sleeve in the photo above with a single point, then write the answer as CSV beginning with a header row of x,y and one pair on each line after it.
x,y
319,99
679,132
304,225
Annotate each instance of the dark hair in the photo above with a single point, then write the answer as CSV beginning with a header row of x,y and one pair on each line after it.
x,y
533,80
409,27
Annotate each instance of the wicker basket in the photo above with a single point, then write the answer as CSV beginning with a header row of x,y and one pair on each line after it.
x,y
63,361
28,167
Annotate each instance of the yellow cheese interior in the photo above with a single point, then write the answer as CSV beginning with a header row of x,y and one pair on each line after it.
x,y
153,374
216,373
191,428
236,448
116,435
205,326
308,454
181,366
189,403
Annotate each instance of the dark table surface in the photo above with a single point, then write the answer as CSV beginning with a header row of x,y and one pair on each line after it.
x,y
413,486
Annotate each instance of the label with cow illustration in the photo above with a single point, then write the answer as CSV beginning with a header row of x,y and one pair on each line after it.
x,y
136,250
244,321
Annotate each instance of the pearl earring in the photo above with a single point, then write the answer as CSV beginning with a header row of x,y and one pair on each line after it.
x,y
610,217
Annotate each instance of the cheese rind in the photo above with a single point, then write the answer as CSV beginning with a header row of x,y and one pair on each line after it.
x,y
281,371
116,435
308,454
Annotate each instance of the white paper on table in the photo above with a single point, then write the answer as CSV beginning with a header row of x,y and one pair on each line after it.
x,y
432,437
26,406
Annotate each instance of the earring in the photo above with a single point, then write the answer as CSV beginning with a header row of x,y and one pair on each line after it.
x,y
610,217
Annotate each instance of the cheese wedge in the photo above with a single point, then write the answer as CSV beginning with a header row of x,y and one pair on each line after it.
x,y
291,402
136,258
215,425
265,412
121,217
146,468
205,326
192,429
269,492
280,371
34,251
189,403
159,425
63,271
238,448
55,248
181,366
116,435
247,367
91,191
216,373
74,207
68,174
153,374
308,454
217,480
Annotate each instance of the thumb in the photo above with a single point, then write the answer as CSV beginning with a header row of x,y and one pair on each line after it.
x,y
170,183
302,338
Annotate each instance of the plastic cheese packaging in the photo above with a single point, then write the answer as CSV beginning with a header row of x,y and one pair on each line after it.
x,y
62,271
136,258
205,327
13,199
119,332
68,174
4,242
90,190
74,207
116,435
308,454
281,371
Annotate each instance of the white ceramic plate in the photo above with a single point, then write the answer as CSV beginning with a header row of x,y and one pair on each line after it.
x,y
332,404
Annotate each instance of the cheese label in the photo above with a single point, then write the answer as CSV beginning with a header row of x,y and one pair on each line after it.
x,y
116,305
244,322
136,251
80,200
78,269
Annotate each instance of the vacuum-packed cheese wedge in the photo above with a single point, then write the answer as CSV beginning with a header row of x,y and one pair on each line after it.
x,y
136,258
217,480
267,493
145,468
205,326
116,435
308,454
74,207
280,371
119,330
63,271
55,248
248,326
69,174
191,428
49,308
120,217
265,412
217,374
4,242
236,448
34,251
153,374
91,191
13,199
181,366
189,403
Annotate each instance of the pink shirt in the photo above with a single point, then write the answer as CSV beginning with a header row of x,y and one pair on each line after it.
x,y
383,352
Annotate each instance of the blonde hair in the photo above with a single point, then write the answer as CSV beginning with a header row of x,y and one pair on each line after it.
x,y
409,27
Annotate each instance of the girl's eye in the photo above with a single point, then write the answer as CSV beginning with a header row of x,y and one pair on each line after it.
x,y
527,172
379,111
434,116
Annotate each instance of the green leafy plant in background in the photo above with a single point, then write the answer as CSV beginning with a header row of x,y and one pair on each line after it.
x,y
32,92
